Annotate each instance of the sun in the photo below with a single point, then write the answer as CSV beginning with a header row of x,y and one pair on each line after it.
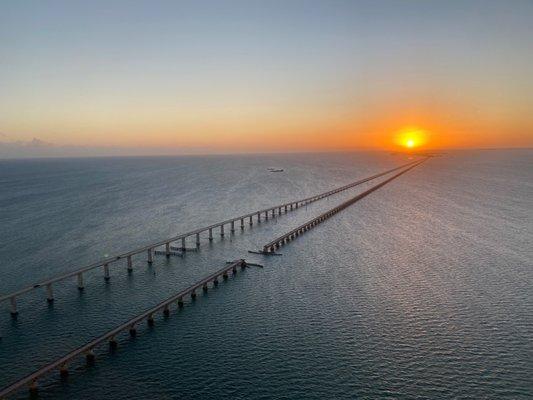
x,y
410,137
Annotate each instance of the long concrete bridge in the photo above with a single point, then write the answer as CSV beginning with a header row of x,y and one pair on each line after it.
x,y
181,240
130,326
278,242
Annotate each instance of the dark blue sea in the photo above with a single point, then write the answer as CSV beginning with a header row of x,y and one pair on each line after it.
x,y
422,290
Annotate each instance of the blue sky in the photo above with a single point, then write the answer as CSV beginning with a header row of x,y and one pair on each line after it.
x,y
185,73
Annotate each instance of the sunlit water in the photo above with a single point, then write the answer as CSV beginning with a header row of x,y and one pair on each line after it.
x,y
421,290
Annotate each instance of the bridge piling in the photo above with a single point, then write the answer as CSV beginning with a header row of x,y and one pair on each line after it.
x,y
222,230
232,227
90,356
210,234
113,344
13,302
106,272
49,293
197,240
63,370
150,259
130,264
80,281
150,320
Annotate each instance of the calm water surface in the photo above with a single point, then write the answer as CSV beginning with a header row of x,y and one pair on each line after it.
x,y
423,290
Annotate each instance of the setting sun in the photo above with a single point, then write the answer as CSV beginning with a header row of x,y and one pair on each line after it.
x,y
411,137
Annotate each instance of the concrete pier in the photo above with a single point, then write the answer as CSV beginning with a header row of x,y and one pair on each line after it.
x,y
197,240
80,281
13,303
49,293
130,264
210,234
106,272
232,230
150,256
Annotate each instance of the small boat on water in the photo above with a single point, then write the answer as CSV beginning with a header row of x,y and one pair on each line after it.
x,y
275,169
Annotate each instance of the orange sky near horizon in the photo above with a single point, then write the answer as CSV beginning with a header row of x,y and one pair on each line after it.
x,y
252,78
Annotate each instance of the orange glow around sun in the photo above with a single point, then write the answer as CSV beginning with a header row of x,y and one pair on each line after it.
x,y
410,137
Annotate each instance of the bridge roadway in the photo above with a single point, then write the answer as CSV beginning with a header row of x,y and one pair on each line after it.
x,y
88,349
273,245
150,248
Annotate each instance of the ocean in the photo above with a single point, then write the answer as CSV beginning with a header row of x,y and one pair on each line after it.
x,y
422,290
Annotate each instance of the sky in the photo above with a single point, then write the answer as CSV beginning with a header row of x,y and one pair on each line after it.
x,y
165,77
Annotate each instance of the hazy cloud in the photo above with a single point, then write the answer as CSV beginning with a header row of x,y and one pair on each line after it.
x,y
41,148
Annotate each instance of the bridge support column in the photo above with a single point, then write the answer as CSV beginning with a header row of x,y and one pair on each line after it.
x,y
251,222
232,226
222,230
215,281
113,344
266,214
273,212
258,217
150,256
130,264
133,331
150,320
197,240
90,357
106,272
242,224
180,302
63,370
167,249
13,301
80,281
291,206
33,388
193,294
49,293
279,211
210,234
183,243
166,311
204,287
